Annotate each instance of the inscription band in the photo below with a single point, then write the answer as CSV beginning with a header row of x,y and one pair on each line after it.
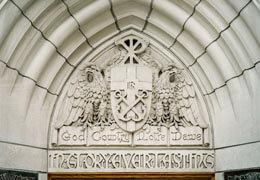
x,y
131,160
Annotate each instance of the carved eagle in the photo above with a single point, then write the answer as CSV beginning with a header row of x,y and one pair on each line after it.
x,y
85,102
175,99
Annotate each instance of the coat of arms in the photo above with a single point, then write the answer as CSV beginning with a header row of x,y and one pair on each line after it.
x,y
131,94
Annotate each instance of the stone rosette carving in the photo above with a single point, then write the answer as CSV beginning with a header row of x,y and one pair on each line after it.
x,y
132,100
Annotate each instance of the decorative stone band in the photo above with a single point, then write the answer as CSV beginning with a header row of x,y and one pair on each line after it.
x,y
131,160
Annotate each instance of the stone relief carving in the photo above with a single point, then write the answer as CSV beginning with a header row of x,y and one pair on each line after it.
x,y
240,175
17,175
132,100
175,101
128,97
86,100
131,94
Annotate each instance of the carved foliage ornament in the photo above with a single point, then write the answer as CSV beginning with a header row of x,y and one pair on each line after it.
x,y
132,92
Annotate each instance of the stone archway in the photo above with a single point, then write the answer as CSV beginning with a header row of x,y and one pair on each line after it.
x,y
42,44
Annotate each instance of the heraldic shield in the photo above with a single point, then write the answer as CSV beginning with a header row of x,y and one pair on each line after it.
x,y
131,94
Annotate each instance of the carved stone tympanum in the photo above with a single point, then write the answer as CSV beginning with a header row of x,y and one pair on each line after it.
x,y
130,99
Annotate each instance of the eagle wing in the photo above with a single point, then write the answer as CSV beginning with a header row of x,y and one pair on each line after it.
x,y
176,99
186,103
78,103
